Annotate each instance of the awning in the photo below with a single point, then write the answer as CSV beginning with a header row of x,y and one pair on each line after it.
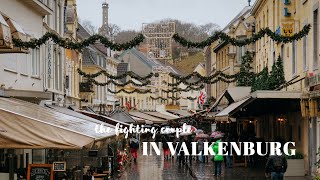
x,y
225,114
232,94
17,32
123,117
5,34
160,115
147,117
102,118
181,113
30,126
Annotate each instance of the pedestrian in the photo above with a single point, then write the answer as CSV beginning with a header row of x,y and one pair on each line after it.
x,y
200,149
228,156
180,154
189,146
277,166
134,146
218,158
165,147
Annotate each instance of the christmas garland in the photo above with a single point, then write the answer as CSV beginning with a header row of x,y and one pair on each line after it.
x,y
188,88
129,73
130,92
203,81
119,84
255,37
199,76
68,44
174,98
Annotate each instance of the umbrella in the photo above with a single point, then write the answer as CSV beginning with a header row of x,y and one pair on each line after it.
x,y
215,133
185,134
134,140
218,136
199,131
202,136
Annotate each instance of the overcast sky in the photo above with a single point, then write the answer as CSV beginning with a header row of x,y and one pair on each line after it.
x,y
130,14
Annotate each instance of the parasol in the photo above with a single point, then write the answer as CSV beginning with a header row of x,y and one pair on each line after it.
x,y
202,136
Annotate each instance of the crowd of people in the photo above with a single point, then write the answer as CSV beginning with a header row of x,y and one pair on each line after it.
x,y
275,167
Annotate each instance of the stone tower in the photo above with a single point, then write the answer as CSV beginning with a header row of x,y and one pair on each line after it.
x,y
105,14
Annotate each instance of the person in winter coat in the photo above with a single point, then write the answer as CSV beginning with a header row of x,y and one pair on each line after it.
x,y
217,158
134,146
277,166
165,147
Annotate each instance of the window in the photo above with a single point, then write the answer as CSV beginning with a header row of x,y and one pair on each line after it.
x,y
304,47
274,57
294,60
315,39
35,61
282,52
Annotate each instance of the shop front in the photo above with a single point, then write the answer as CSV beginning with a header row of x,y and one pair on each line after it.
x,y
38,137
266,116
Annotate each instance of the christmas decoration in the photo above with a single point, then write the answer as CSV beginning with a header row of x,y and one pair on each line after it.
x,y
245,76
277,78
261,81
129,73
255,37
130,92
68,44
119,84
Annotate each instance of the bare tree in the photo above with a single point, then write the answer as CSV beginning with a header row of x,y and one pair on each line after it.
x,y
113,30
125,36
89,27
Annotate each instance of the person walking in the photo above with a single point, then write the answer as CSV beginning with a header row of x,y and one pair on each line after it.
x,y
165,147
134,146
277,166
217,158
200,149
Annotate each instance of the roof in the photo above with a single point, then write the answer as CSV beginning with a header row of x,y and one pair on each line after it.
x,y
122,68
276,95
232,94
30,126
89,57
225,113
256,6
122,116
146,117
82,32
235,20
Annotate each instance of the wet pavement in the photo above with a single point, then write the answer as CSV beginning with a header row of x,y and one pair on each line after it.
x,y
156,168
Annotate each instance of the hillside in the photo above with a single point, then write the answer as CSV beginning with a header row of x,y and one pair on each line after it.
x,y
189,63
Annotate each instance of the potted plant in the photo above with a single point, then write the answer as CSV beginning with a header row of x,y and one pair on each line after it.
x,y
295,165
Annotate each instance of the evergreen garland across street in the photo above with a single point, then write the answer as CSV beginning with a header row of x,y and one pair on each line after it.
x,y
68,44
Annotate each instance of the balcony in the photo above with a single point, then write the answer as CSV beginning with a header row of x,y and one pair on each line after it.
x,y
39,6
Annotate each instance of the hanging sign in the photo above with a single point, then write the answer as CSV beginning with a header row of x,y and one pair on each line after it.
x,y
40,172
287,29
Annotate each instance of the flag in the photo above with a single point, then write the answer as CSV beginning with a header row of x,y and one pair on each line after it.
x,y
128,105
202,98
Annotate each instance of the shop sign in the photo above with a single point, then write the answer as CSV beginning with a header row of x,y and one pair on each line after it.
x,y
59,166
40,172
287,29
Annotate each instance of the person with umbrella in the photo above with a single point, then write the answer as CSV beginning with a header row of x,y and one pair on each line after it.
x,y
218,158
165,147
134,146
